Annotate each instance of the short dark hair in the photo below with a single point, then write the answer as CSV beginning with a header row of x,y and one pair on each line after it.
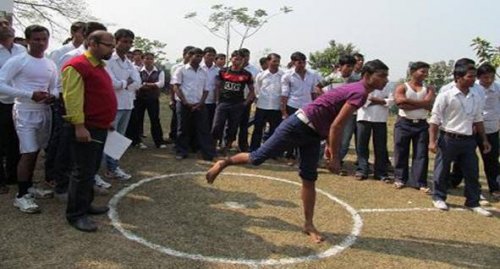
x,y
186,50
358,55
464,61
77,26
148,54
414,66
298,56
209,50
220,55
245,52
124,33
462,70
373,66
346,59
195,51
263,60
237,53
486,68
271,55
35,28
93,26
137,51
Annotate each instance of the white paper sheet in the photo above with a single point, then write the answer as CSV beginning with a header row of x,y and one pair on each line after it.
x,y
116,144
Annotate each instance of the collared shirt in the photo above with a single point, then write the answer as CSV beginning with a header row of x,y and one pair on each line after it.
x,y
24,74
299,91
491,111
161,77
5,54
192,82
333,80
376,113
73,91
68,55
56,54
268,90
173,69
212,73
456,112
120,71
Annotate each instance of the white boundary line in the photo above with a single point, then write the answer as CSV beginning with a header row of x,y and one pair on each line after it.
x,y
334,250
384,210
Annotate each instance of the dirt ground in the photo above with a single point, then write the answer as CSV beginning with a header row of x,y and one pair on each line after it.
x,y
250,218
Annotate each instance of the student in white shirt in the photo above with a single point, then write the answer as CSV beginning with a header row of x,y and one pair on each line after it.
x,y
77,38
126,81
212,70
31,79
457,112
9,143
268,92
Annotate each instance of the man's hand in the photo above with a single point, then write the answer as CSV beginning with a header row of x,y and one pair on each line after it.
x,y
82,134
129,81
433,146
196,106
334,166
486,147
50,99
39,96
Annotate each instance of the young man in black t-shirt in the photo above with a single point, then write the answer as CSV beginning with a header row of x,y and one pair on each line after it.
x,y
230,98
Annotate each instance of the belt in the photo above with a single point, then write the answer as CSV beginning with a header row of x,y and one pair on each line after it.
x,y
457,136
303,118
413,120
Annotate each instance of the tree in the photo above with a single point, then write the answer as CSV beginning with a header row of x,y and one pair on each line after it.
x,y
225,20
323,60
440,74
55,13
485,52
154,46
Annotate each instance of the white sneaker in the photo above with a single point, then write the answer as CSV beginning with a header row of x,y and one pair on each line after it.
x,y
483,201
99,182
41,193
163,146
27,204
142,146
481,211
440,204
118,174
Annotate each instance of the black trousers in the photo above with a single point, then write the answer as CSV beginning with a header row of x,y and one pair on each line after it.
x,y
86,159
197,122
9,146
263,116
243,129
136,123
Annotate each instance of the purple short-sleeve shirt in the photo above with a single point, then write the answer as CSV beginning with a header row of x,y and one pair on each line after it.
x,y
322,112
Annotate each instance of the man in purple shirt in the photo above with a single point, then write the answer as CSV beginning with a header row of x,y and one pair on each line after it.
x,y
322,119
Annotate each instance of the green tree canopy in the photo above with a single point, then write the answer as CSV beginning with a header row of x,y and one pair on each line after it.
x,y
323,60
154,46
440,74
485,52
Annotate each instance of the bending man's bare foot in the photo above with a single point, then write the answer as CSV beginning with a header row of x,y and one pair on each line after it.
x,y
313,234
215,170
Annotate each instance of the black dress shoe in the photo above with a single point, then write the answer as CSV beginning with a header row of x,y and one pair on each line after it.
x,y
98,210
84,224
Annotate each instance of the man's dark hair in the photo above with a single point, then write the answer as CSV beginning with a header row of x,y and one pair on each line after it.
x,y
186,50
245,52
271,55
373,66
462,70
237,53
358,55
137,51
263,60
418,65
148,54
220,55
486,68
209,50
35,28
77,26
124,33
346,59
92,27
298,56
195,51
464,61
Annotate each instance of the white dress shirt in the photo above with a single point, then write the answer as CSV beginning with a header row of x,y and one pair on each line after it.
x,y
24,74
212,73
298,90
6,54
192,82
120,71
491,111
56,54
173,70
456,112
268,90
69,55
376,113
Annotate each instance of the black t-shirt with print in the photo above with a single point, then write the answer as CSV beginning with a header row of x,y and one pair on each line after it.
x,y
233,84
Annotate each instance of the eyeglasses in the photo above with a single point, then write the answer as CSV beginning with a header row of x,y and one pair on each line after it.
x,y
109,45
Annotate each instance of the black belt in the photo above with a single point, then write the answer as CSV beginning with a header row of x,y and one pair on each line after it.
x,y
457,136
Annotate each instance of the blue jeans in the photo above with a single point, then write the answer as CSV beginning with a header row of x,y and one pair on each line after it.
x,y
120,125
365,129
349,130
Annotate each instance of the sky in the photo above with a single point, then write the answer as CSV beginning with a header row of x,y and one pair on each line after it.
x,y
394,31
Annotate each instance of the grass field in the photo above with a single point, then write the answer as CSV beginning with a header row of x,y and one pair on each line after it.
x,y
250,218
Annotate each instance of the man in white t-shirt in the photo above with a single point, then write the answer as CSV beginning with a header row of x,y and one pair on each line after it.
x,y
32,80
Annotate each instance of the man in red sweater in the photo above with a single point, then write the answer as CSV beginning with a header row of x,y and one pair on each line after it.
x,y
91,106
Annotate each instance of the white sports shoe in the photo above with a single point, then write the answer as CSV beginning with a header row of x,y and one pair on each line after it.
x,y
142,146
99,182
41,193
27,204
481,211
118,174
440,204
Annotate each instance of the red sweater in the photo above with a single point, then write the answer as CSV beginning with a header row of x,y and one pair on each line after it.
x,y
100,104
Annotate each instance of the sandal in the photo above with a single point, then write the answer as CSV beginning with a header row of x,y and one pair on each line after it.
x,y
425,190
399,185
